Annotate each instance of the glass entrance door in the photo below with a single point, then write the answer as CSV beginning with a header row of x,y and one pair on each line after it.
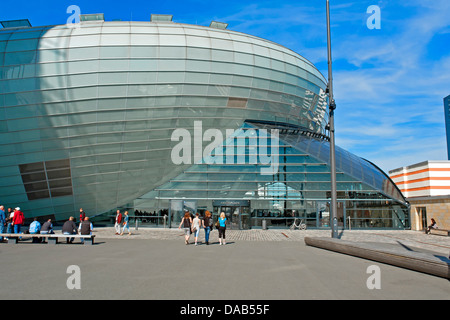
x,y
235,218
238,217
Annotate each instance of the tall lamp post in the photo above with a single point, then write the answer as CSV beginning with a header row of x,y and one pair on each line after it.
x,y
332,106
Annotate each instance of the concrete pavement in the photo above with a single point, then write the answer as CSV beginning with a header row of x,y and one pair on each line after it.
x,y
255,264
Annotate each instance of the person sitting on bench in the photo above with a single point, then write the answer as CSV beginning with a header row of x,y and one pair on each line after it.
x,y
47,227
35,228
85,228
68,228
432,226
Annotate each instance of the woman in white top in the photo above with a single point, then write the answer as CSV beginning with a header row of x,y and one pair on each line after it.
x,y
196,227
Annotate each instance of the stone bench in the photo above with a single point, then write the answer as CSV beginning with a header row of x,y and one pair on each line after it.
x,y
51,237
441,232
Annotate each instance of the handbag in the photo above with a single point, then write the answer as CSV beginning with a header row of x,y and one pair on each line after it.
x,y
217,224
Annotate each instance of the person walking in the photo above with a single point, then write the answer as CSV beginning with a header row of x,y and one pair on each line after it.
x,y
82,215
126,225
222,227
17,220
118,221
186,222
196,227
207,225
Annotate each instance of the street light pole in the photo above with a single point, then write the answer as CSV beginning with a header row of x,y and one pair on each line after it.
x,y
332,106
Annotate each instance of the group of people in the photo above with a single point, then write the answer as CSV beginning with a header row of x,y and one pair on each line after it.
x,y
14,219
193,226
125,222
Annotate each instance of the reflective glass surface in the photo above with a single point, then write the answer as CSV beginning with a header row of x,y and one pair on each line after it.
x,y
107,96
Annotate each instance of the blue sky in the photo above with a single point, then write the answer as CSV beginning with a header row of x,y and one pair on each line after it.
x,y
389,83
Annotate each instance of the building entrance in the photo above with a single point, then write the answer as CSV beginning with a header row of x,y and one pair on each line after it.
x,y
237,213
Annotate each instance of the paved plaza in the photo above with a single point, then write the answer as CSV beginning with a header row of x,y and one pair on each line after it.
x,y
273,264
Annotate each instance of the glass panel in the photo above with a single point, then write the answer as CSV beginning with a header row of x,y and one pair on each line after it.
x,y
37,186
38,195
56,164
172,40
144,52
144,39
114,52
59,183
83,66
61,192
198,53
172,52
32,167
58,174
21,45
84,41
83,53
203,42
120,39
24,57
51,55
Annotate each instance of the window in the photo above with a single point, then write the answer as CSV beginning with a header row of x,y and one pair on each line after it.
x,y
47,179
236,102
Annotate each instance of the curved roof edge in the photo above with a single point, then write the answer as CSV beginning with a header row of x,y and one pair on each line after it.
x,y
168,23
389,179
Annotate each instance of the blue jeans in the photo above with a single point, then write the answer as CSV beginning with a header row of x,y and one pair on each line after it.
x,y
2,227
71,239
207,231
17,229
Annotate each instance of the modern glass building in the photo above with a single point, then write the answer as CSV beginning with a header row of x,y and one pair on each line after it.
x,y
157,116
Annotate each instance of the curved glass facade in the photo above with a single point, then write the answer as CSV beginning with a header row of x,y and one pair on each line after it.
x,y
87,111
300,187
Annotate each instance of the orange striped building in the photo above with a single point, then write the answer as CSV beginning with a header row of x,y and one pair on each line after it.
x,y
426,185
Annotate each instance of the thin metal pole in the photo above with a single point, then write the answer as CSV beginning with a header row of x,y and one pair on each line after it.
x,y
332,106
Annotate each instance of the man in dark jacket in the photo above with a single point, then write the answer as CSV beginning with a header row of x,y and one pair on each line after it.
x,y
69,227
85,228
47,227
